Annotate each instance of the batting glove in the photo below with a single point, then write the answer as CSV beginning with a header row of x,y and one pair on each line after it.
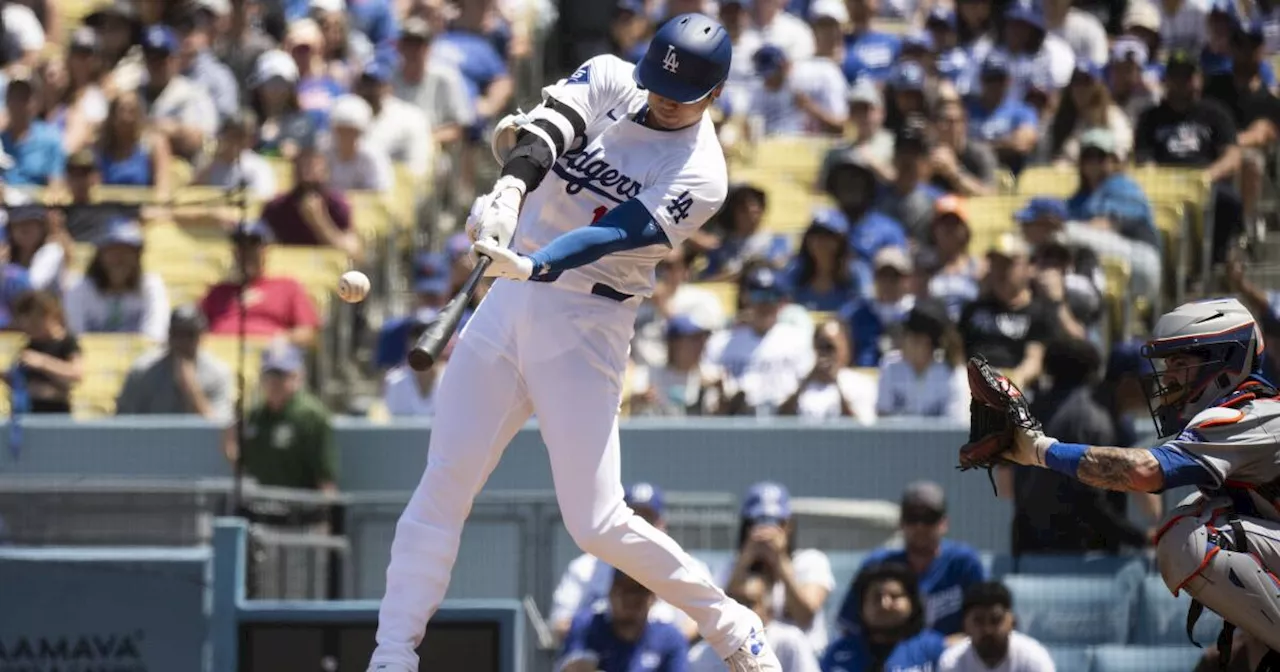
x,y
494,216
506,263
1029,446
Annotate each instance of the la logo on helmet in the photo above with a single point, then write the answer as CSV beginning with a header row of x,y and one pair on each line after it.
x,y
669,62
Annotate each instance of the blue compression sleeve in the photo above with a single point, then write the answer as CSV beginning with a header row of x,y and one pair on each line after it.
x,y
627,227
1064,458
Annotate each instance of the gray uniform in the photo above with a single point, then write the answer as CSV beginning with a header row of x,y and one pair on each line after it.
x,y
1198,549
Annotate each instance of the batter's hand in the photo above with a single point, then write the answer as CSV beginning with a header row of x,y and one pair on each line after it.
x,y
493,216
506,263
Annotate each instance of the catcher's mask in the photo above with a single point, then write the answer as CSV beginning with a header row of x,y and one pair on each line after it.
x,y
1222,336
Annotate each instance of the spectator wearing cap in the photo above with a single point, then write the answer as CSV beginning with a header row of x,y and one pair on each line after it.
x,y
851,181
794,98
275,306
992,643
343,49
129,151
1125,81
867,52
1000,119
116,295
960,164
870,139
774,25
117,27
918,47
801,578
181,379
197,62
1118,211
431,290
788,642
408,393
24,34
886,629
761,359
735,16
273,96
926,376
1033,50
233,164
832,389
353,164
949,269
943,568
398,129
179,109
674,294
317,88
35,241
1009,323
909,198
243,39
484,71
1182,25
1055,514
621,636
311,213
1081,30
1065,264
907,98
50,363
739,236
684,384
79,105
1141,21
33,144
820,276
434,87
875,321
1087,106
951,62
827,19
630,28
289,437
585,582
83,217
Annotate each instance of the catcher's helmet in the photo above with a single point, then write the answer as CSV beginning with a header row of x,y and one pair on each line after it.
x,y
687,59
1224,335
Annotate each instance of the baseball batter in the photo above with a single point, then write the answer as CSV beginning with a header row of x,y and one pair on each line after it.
x,y
618,164
1222,545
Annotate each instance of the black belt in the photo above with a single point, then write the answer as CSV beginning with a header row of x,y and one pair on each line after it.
x,y
601,289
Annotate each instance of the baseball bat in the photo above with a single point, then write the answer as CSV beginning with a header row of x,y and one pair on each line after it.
x,y
429,346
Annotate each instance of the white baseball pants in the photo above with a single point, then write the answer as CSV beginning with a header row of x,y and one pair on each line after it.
x,y
537,348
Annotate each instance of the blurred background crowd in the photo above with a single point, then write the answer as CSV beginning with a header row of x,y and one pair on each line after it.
x,y
913,182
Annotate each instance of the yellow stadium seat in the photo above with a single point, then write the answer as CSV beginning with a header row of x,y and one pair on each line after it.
x,y
226,349
10,344
283,169
1048,181
370,214
316,268
107,358
797,158
727,292
990,216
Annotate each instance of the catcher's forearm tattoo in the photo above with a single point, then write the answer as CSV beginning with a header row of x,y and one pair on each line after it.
x,y
1117,468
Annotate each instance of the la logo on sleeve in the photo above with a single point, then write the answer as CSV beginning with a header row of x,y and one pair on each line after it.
x,y
669,62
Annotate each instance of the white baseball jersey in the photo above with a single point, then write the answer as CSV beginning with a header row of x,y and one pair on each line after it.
x,y
766,369
679,175
818,78
942,391
1025,655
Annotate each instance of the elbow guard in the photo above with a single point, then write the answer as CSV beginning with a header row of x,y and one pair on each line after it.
x,y
554,123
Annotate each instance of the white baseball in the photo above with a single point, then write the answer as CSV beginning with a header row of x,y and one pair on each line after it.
x,y
353,286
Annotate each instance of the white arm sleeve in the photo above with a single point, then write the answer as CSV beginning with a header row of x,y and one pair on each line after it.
x,y
46,266
155,316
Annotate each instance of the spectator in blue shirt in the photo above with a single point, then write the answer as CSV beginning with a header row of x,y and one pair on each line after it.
x,y
740,237
907,86
1007,124
317,88
819,277
430,292
483,70
887,629
868,52
852,183
875,322
943,568
950,61
284,127
128,153
34,145
623,639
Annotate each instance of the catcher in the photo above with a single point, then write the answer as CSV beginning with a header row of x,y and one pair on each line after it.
x,y
1222,420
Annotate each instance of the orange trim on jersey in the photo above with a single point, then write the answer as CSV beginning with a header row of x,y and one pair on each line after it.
x,y
1218,422
1203,564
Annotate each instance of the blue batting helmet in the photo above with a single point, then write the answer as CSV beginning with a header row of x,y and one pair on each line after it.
x,y
687,59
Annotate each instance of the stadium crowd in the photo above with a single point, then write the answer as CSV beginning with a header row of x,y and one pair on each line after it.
x,y
866,311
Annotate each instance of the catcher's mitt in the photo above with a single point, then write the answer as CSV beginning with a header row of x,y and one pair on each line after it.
x,y
997,407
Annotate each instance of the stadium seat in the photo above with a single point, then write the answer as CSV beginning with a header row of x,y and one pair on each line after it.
x,y
1144,658
226,349
990,216
107,358
1054,181
1161,618
1072,609
1070,658
727,292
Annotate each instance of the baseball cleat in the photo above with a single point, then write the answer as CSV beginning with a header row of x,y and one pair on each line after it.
x,y
754,656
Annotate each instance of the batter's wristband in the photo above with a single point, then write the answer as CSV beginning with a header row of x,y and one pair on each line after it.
x,y
1064,458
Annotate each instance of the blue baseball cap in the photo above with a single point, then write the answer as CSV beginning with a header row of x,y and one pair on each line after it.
x,y
1249,31
431,273
996,64
941,16
1027,13
908,76
255,231
282,358
1088,68
767,502
762,285
457,245
1041,207
1126,360
122,231
686,60
376,70
830,219
683,325
645,495
768,60
159,39
918,39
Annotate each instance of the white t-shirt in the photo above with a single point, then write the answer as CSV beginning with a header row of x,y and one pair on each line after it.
x,y
368,170
811,567
46,267
788,642
21,24
942,391
676,391
1025,655
1086,36
251,168
649,345
401,131
767,369
585,584
187,103
145,311
401,396
1185,29
790,34
822,400
818,78
679,176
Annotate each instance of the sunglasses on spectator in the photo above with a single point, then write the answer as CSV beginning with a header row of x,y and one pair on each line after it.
x,y
824,347
921,517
